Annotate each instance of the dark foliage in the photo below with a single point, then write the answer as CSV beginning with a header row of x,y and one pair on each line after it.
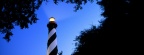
x,y
17,12
87,43
78,3
119,33
60,53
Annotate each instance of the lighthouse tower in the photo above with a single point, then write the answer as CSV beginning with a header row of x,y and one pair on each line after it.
x,y
52,40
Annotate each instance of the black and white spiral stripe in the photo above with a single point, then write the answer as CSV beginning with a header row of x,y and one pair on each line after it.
x,y
52,42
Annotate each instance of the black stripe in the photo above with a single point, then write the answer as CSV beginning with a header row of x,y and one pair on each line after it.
x,y
48,43
51,39
54,51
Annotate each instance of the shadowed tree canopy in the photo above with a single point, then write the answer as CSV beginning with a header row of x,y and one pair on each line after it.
x,y
119,33
17,12
78,3
60,53
87,43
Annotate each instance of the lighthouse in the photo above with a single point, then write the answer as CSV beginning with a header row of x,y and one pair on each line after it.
x,y
52,48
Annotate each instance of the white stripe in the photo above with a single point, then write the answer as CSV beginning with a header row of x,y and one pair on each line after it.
x,y
52,46
51,32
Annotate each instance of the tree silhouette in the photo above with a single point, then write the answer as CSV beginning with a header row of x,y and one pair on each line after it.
x,y
17,12
88,43
78,3
60,53
117,34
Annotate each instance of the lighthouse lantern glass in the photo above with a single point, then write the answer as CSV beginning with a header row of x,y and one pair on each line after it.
x,y
52,19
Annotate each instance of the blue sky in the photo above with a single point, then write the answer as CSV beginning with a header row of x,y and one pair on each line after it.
x,y
33,41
